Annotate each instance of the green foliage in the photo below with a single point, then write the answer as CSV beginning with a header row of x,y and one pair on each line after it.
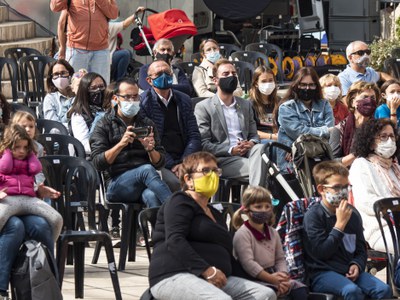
x,y
381,49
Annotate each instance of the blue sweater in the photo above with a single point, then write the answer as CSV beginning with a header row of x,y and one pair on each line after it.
x,y
328,249
150,107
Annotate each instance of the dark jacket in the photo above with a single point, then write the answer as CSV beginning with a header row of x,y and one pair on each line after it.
x,y
183,85
328,249
150,107
186,240
108,132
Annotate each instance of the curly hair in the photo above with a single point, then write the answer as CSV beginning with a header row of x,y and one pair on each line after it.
x,y
365,136
13,134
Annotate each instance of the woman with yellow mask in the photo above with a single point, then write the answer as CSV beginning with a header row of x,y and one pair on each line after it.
x,y
192,257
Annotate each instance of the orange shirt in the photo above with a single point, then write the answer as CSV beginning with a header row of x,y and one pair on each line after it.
x,y
87,22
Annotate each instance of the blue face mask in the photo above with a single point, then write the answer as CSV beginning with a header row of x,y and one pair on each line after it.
x,y
129,109
163,81
213,56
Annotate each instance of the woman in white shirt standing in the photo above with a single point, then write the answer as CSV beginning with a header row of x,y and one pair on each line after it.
x,y
374,174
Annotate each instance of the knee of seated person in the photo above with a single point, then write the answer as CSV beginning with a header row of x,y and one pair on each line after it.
x,y
149,170
352,289
14,226
39,227
150,199
382,292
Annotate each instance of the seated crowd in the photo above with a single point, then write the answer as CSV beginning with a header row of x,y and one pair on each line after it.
x,y
178,163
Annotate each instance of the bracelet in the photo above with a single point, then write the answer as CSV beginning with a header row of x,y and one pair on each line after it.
x,y
213,274
393,115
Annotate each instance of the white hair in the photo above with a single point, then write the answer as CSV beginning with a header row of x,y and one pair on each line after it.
x,y
162,42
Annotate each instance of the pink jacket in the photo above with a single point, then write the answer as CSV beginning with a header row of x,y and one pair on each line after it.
x,y
87,22
18,176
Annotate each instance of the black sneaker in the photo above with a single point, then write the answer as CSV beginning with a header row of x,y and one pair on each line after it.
x,y
115,232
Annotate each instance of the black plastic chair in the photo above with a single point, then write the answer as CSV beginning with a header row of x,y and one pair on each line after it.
x,y
196,57
388,210
227,49
33,69
12,68
76,179
22,107
148,217
271,50
230,188
188,68
245,71
59,144
253,57
196,100
129,224
51,126
15,54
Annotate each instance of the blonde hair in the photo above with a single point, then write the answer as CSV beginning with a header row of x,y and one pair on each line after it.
x,y
252,195
20,115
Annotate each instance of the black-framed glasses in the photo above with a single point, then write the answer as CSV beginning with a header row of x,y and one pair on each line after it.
x,y
338,187
95,88
311,86
362,52
60,74
384,137
207,171
130,98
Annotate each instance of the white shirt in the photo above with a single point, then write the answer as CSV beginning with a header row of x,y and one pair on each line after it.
x,y
232,123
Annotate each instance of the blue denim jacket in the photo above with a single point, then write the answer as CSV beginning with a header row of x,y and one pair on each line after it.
x,y
295,119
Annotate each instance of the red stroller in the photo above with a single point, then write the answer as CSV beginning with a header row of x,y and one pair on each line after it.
x,y
172,24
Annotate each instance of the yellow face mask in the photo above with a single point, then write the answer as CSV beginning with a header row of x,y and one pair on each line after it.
x,y
207,185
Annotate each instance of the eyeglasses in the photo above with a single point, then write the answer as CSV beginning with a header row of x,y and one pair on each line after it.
x,y
60,74
384,137
207,171
311,86
362,52
95,88
130,98
337,187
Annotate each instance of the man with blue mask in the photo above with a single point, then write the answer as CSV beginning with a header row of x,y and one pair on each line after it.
x,y
358,69
228,129
130,163
172,113
163,50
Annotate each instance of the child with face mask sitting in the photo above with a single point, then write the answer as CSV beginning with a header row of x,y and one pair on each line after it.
x,y
390,102
334,242
258,247
375,174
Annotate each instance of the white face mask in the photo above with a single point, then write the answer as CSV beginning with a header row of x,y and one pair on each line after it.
x,y
391,97
386,149
331,92
213,56
266,88
61,83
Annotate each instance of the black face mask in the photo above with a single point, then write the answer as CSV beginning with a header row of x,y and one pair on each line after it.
x,y
164,57
306,94
228,84
96,98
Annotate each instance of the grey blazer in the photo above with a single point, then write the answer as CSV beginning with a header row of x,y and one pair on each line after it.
x,y
212,124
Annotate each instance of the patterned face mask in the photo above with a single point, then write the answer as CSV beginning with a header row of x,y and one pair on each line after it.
x,y
335,199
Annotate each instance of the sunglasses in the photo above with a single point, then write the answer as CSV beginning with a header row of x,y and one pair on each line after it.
x,y
362,52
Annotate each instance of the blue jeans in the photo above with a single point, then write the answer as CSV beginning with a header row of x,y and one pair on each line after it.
x,y
97,61
142,182
12,236
120,61
365,285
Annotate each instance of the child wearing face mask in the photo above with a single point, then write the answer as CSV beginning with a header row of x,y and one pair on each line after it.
x,y
390,102
334,242
331,90
258,247
264,98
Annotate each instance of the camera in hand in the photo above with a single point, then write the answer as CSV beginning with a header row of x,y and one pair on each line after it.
x,y
141,132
